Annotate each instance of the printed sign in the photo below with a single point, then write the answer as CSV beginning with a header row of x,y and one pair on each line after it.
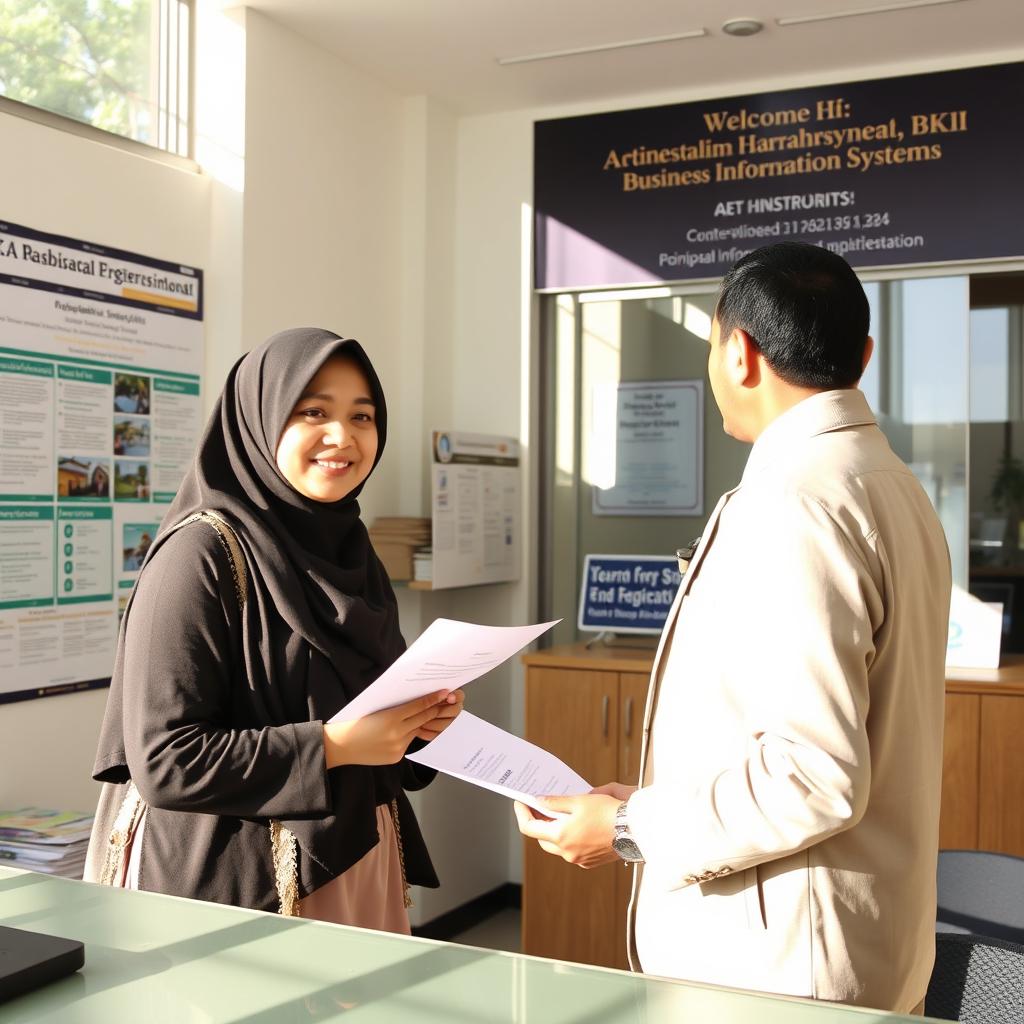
x,y
658,441
975,632
100,362
627,593
475,502
872,170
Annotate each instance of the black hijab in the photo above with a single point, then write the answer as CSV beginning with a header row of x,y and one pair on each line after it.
x,y
320,622
312,561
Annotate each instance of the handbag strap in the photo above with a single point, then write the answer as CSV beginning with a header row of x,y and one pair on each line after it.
x,y
283,844
229,541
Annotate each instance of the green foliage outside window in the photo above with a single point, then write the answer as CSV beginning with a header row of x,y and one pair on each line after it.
x,y
86,59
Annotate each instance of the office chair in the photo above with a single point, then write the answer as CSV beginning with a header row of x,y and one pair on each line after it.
x,y
981,893
976,980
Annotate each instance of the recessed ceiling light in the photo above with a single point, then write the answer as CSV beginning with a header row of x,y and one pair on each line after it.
x,y
742,27
598,48
853,12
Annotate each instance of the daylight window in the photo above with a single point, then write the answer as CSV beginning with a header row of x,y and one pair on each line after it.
x,y
118,65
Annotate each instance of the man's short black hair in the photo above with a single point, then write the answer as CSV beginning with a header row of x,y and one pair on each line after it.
x,y
804,308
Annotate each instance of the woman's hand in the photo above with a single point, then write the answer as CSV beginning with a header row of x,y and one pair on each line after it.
x,y
446,713
384,736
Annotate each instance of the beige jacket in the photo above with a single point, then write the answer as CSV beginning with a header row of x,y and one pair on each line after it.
x,y
789,807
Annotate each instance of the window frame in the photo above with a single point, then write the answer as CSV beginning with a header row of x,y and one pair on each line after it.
x,y
71,125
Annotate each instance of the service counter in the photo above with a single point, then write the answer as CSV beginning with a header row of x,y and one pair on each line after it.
x,y
165,960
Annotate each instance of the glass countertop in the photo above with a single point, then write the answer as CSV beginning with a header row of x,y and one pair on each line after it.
x,y
154,959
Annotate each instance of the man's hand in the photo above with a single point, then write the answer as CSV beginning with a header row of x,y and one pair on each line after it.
x,y
581,834
618,790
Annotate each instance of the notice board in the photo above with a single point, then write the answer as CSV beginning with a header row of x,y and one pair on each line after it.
x,y
101,352
475,509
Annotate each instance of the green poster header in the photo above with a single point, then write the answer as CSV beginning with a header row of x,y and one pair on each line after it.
x,y
26,366
21,512
178,387
84,374
85,513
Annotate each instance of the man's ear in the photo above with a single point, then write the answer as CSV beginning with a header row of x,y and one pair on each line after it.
x,y
742,359
869,348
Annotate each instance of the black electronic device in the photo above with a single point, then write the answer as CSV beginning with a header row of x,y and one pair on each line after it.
x,y
31,959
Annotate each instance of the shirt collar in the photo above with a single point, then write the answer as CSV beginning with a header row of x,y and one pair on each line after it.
x,y
818,414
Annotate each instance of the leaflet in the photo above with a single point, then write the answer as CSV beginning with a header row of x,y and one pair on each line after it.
x,y
476,751
448,655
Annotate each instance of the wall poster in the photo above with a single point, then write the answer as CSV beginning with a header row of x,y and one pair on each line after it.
x,y
659,450
896,171
476,531
101,353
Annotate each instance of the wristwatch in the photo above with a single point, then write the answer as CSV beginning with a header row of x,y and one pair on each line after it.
x,y
623,843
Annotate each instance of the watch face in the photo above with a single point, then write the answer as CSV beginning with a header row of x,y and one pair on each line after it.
x,y
627,849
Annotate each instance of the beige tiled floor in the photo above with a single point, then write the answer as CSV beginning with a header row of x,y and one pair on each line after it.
x,y
498,932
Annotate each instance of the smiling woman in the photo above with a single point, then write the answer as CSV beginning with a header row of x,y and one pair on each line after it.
x,y
329,444
260,611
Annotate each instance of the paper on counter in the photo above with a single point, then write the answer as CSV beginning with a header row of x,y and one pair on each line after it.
x,y
476,751
446,656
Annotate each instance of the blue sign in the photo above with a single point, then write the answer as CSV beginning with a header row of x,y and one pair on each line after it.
x,y
627,593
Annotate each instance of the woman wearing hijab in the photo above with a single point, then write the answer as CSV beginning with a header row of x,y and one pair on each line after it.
x,y
227,668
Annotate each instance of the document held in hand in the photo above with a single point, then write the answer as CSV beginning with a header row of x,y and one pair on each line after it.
x,y
476,751
447,656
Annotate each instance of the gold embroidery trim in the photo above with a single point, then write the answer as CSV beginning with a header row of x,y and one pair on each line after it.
x,y
285,852
231,546
406,898
128,814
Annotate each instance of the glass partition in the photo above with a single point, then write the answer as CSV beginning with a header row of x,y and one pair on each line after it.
x,y
946,382
996,503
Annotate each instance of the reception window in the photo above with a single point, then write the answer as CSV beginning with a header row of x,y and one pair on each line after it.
x,y
946,382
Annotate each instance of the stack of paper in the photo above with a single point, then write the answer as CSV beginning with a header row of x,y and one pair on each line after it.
x,y
423,564
38,839
395,538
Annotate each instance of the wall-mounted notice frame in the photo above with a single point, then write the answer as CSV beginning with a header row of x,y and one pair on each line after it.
x,y
658,443
101,352
868,169
627,593
475,509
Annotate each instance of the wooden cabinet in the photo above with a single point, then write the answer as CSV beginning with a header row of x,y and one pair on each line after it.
x,y
983,760
588,706
589,712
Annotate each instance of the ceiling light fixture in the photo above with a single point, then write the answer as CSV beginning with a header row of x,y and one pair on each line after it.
x,y
853,12
694,34
742,27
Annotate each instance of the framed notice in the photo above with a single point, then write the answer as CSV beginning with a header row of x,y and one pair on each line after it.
x,y
659,450
475,509
100,358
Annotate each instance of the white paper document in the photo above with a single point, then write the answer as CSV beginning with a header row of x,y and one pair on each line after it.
x,y
476,751
447,656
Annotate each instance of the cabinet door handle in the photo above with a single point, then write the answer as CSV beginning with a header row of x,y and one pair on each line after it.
x,y
629,717
605,704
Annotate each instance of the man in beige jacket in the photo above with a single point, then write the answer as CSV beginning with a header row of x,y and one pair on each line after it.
x,y
786,824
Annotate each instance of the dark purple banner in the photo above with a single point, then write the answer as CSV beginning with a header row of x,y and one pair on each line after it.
x,y
918,169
